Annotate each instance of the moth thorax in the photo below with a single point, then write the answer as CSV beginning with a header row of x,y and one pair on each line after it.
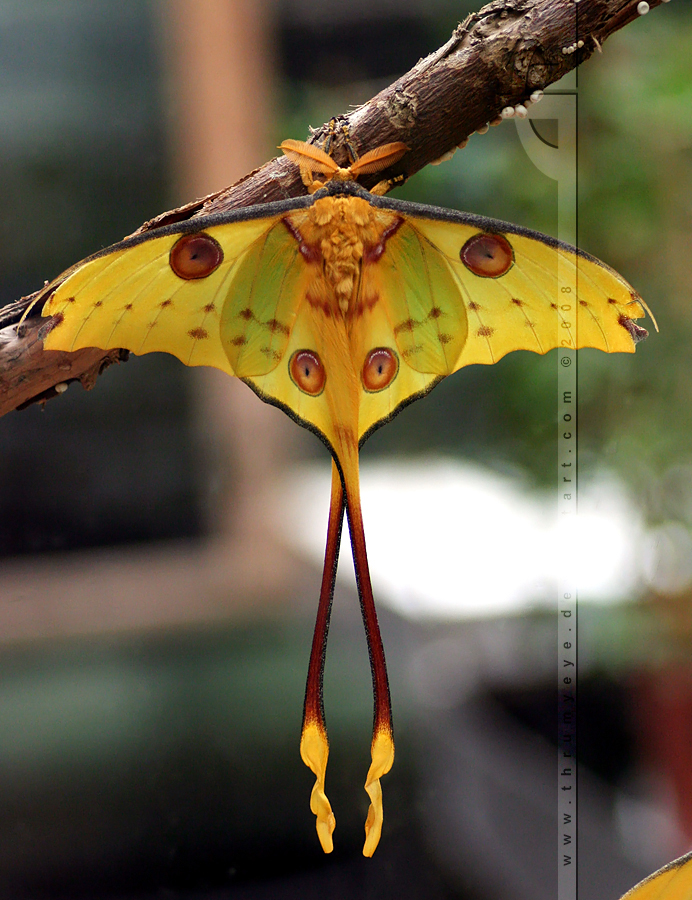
x,y
342,252
343,227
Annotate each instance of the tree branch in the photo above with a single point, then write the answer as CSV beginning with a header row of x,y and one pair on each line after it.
x,y
494,59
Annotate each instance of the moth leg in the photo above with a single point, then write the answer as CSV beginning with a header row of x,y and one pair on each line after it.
x,y
310,182
314,185
346,131
383,187
327,146
306,177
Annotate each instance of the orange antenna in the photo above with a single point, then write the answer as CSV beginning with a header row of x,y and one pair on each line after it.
x,y
312,159
378,159
308,155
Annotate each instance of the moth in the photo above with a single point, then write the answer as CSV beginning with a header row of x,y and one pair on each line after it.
x,y
341,307
672,882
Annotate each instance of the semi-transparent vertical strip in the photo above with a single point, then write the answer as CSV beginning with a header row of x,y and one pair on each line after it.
x,y
559,161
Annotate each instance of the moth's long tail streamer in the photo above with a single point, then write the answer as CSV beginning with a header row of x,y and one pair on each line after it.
x,y
314,744
382,747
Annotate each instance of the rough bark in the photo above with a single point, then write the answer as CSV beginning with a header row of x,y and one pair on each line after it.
x,y
496,58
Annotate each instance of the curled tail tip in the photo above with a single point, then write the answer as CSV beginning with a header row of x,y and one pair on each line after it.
x,y
382,761
314,750
325,829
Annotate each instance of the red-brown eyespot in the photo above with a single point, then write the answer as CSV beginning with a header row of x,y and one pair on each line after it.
x,y
307,372
379,369
487,255
195,256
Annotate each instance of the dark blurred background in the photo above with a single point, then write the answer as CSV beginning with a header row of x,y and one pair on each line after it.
x,y
155,621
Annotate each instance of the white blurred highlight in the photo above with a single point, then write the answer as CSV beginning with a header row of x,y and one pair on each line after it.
x,y
450,540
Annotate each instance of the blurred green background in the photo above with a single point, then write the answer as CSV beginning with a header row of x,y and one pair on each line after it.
x,y
157,756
